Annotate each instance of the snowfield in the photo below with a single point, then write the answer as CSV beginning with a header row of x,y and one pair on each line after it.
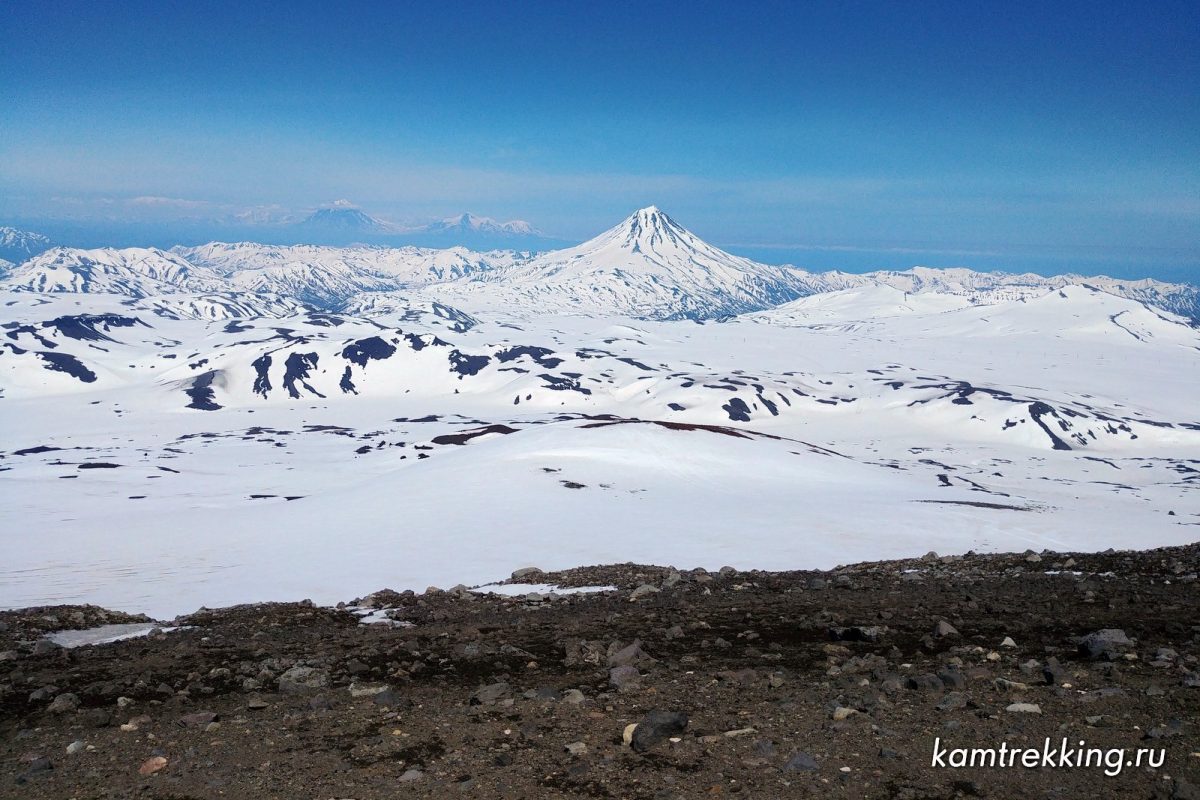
x,y
177,436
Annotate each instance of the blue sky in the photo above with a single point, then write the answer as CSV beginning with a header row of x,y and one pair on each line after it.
x,y
1011,135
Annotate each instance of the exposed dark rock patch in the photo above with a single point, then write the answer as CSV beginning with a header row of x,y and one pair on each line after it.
x,y
466,436
65,362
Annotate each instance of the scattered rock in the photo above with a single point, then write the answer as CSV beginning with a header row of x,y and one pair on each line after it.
x,y
152,765
45,647
1170,730
643,591
944,629
800,762
858,633
298,680
632,654
926,682
655,727
734,734
952,700
64,703
1024,708
624,678
1108,643
489,694
198,719
1053,673
952,679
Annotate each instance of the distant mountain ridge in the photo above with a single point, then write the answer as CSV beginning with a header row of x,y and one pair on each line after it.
x,y
344,223
985,288
328,276
17,245
471,222
133,271
647,266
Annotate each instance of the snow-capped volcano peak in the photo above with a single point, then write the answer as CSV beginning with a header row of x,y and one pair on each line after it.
x,y
651,238
649,228
648,265
345,217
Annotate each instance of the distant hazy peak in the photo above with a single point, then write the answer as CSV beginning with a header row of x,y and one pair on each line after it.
x,y
16,245
478,224
342,215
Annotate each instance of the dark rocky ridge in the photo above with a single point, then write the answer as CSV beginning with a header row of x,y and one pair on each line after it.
x,y
785,680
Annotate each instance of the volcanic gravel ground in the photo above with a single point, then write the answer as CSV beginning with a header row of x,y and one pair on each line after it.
x,y
798,684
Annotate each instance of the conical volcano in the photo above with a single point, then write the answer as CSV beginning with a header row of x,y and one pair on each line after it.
x,y
647,266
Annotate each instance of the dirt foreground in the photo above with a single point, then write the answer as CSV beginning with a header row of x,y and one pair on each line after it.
x,y
746,684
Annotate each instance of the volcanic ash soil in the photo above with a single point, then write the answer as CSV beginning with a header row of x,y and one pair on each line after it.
x,y
746,684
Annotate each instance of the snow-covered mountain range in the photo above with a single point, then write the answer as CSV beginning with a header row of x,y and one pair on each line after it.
x,y
132,271
648,266
406,416
329,276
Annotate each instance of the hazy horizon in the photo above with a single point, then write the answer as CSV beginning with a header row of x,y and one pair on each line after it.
x,y
1046,139
815,257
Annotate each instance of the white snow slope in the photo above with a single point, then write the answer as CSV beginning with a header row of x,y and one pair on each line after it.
x,y
201,446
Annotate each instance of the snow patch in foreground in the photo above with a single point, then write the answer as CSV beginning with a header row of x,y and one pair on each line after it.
x,y
377,616
105,634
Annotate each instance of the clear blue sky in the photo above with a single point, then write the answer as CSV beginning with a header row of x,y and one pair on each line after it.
x,y
1001,134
